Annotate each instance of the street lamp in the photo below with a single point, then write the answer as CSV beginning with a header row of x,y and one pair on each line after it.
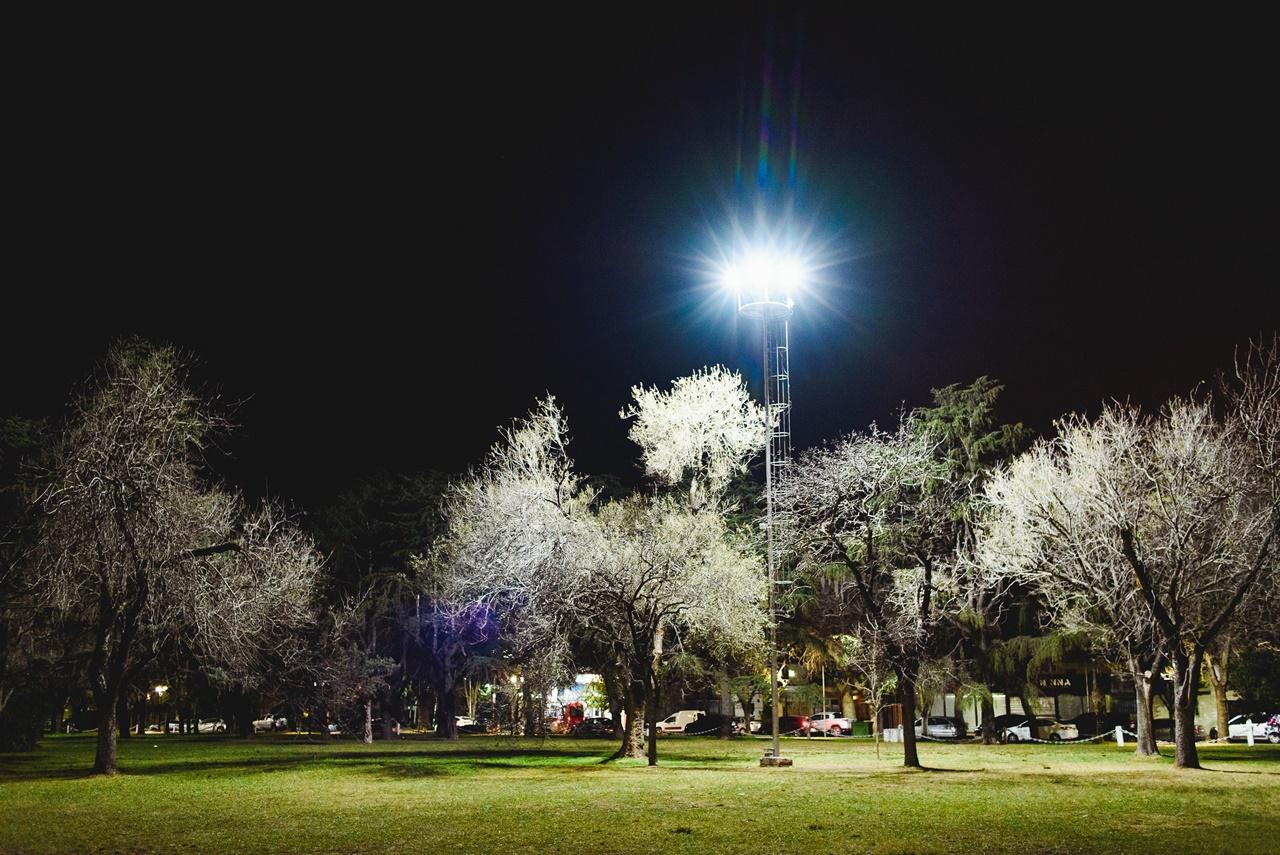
x,y
764,284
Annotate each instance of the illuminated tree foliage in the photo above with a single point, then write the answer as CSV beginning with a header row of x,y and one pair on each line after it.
x,y
138,546
528,544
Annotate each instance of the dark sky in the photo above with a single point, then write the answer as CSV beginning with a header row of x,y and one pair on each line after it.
x,y
387,237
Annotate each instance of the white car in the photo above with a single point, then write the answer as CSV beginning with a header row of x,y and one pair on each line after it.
x,y
940,727
1040,728
677,721
1239,726
211,725
463,720
271,722
829,724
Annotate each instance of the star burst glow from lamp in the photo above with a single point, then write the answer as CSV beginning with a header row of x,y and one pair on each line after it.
x,y
764,282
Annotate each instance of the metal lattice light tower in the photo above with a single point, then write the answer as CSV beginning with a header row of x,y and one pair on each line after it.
x,y
763,286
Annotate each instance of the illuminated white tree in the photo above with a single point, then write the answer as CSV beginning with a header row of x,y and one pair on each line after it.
x,y
664,575
135,545
869,523
517,528
1168,522
698,434
1049,523
526,544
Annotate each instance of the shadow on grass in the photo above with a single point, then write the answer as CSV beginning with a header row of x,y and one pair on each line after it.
x,y
399,763
17,767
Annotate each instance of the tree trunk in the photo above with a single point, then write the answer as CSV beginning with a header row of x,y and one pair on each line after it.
x,y
1142,692
613,694
121,717
633,732
1186,688
988,727
726,704
367,735
389,719
104,761
652,715
446,705
1218,675
531,716
244,715
910,756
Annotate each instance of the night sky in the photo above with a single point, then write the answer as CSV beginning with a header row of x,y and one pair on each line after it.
x,y
386,238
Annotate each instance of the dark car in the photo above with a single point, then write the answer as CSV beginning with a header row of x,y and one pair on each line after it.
x,y
787,725
1091,724
596,726
1000,722
1164,730
710,724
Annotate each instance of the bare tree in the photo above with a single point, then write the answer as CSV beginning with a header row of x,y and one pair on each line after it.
x,y
867,521
1164,522
865,655
666,575
1049,523
526,543
138,546
1204,536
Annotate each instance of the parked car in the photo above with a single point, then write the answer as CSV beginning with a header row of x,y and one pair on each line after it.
x,y
788,725
1092,724
1039,728
154,728
593,727
1000,722
1238,727
463,720
677,721
1164,730
270,722
829,724
710,724
480,725
211,725
940,727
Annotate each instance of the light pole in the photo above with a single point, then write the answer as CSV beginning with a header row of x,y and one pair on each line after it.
x,y
763,284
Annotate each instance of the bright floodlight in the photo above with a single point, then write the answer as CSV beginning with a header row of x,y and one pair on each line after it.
x,y
764,283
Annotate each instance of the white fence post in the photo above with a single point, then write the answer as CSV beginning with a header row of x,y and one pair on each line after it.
x,y
1119,736
1249,732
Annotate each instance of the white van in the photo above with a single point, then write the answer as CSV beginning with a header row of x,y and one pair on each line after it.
x,y
676,722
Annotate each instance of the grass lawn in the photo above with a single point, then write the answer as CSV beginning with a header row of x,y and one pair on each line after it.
x,y
496,794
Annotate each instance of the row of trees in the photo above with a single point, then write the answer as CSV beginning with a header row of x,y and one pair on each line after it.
x,y
948,548
1147,538
1154,535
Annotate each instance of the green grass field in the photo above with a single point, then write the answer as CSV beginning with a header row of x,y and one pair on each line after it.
x,y
495,794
